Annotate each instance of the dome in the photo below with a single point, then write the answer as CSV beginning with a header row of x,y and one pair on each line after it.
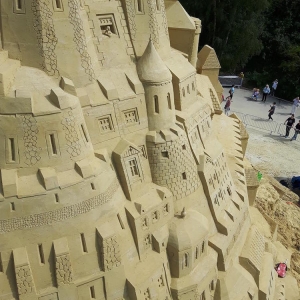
x,y
188,231
151,67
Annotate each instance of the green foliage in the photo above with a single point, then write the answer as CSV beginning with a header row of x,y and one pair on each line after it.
x,y
260,37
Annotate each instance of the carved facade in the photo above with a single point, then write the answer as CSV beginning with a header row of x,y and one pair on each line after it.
x,y
116,180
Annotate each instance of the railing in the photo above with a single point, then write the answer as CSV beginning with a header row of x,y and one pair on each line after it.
x,y
231,80
265,125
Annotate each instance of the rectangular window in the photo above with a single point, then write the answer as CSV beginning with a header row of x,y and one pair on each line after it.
x,y
92,291
169,101
184,175
165,154
1,264
93,186
12,149
120,221
41,254
133,168
131,116
58,4
84,133
158,5
83,242
19,6
12,206
53,143
56,198
156,105
105,124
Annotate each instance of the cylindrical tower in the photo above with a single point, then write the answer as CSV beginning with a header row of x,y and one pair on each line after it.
x,y
157,81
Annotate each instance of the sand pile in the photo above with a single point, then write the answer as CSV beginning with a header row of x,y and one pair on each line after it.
x,y
280,205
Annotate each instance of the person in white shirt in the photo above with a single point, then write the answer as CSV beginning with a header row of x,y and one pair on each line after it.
x,y
296,104
274,87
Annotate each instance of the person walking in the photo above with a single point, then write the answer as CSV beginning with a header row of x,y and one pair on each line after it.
x,y
227,105
272,110
274,87
266,92
241,75
289,122
296,104
297,131
231,91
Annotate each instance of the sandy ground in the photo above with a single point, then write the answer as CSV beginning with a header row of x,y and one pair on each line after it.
x,y
278,157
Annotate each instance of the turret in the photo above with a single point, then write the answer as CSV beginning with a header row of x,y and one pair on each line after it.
x,y
157,81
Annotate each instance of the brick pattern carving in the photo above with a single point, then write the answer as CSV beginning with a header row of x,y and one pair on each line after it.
x,y
47,40
24,278
30,131
257,248
153,25
79,38
63,269
111,255
170,171
69,126
212,61
59,215
131,18
215,102
164,17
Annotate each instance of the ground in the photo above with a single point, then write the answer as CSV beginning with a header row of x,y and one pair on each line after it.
x,y
278,157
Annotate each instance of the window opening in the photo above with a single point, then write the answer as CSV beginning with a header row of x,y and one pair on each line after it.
x,y
203,247
83,242
1,264
165,154
19,4
184,175
41,253
12,149
56,198
186,260
156,105
93,186
133,168
53,143
169,101
158,5
197,253
84,133
92,290
12,206
58,4
120,221
139,6
188,88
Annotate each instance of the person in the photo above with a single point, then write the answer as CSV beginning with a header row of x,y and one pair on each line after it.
x,y
296,103
231,91
266,92
274,87
289,124
241,75
227,105
272,110
255,94
297,131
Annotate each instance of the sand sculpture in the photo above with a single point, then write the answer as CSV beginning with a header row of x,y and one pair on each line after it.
x,y
121,178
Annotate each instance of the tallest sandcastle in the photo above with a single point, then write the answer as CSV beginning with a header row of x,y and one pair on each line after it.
x,y
120,176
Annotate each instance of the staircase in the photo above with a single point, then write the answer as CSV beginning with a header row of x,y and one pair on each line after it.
x,y
8,69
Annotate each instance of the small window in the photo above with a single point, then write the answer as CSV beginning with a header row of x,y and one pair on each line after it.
x,y
93,186
212,285
1,264
158,5
12,149
133,168
166,209
169,101
56,198
139,6
58,4
183,147
12,206
202,297
184,175
185,260
156,105
41,254
165,154
19,6
197,253
193,86
92,291
203,247
83,242
188,89
120,221
84,133
53,144
183,92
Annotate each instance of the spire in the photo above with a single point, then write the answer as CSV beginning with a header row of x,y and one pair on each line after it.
x,y
151,67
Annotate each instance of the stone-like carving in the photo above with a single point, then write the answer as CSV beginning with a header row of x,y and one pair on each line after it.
x,y
69,126
24,280
131,18
63,269
50,217
111,255
47,40
164,17
80,38
153,22
30,132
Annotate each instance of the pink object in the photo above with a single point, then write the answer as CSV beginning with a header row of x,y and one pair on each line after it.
x,y
281,269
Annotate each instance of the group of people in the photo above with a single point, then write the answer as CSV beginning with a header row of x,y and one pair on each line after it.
x,y
266,91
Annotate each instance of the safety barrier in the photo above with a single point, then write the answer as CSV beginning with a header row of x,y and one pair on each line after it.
x,y
272,127
230,80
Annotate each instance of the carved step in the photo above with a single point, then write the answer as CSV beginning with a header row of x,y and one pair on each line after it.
x,y
8,70
3,56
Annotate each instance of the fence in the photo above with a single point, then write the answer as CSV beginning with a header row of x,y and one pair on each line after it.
x,y
231,80
265,125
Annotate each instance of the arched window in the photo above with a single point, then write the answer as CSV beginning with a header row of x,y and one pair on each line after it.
x,y
156,106
169,101
185,260
183,92
188,89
